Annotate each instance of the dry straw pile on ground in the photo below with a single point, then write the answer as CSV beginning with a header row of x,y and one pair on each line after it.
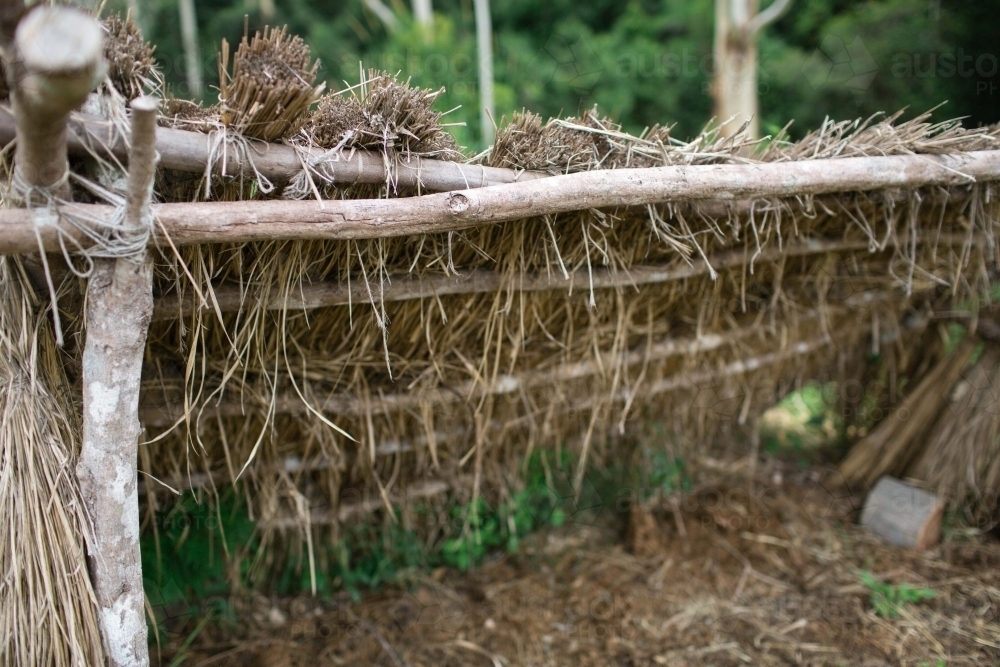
x,y
438,362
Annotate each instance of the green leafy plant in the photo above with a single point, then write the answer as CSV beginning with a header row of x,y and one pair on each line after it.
x,y
666,472
803,423
888,599
483,528
195,553
370,557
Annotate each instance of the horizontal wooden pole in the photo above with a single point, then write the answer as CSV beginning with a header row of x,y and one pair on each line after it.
x,y
403,287
348,511
246,221
436,487
351,405
188,151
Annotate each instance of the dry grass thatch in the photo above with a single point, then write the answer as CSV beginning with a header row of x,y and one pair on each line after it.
x,y
371,396
960,458
436,387
370,399
49,614
131,67
384,115
270,88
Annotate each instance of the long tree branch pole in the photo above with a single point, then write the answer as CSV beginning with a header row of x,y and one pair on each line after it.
x,y
405,287
119,307
188,151
241,222
189,40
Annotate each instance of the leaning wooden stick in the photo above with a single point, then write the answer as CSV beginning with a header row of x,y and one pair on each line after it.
x,y
119,307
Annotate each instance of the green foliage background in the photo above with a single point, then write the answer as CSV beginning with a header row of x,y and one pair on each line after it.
x,y
640,61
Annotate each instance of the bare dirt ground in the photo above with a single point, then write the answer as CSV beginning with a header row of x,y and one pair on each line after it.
x,y
724,576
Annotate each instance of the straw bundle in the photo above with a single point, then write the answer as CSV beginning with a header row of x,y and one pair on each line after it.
x,y
384,115
897,441
48,613
131,67
961,458
576,144
270,88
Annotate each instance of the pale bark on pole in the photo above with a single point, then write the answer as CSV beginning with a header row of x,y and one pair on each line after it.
x,y
484,47
189,40
119,307
423,13
354,219
734,86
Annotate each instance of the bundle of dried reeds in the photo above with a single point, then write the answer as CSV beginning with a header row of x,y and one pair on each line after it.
x,y
961,457
131,67
899,439
382,115
271,85
48,613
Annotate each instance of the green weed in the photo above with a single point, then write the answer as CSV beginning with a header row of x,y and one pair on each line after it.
x,y
888,599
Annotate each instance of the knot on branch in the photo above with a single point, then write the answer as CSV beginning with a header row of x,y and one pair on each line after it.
x,y
458,203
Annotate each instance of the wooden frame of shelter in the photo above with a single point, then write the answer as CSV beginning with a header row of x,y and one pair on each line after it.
x,y
54,60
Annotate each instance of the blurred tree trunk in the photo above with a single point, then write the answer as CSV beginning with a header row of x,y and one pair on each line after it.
x,y
267,9
734,86
189,38
423,12
384,14
484,45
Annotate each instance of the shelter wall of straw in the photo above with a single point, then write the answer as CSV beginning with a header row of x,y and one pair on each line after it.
x,y
373,396
380,397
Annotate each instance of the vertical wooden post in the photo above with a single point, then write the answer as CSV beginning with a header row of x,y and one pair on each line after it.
x,y
57,60
189,39
54,58
423,13
119,308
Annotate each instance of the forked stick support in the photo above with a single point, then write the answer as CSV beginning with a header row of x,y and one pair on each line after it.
x,y
119,308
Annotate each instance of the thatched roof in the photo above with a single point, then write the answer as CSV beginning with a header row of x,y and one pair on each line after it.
x,y
432,356
330,373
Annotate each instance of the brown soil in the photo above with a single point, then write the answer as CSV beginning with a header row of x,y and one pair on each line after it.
x,y
720,577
